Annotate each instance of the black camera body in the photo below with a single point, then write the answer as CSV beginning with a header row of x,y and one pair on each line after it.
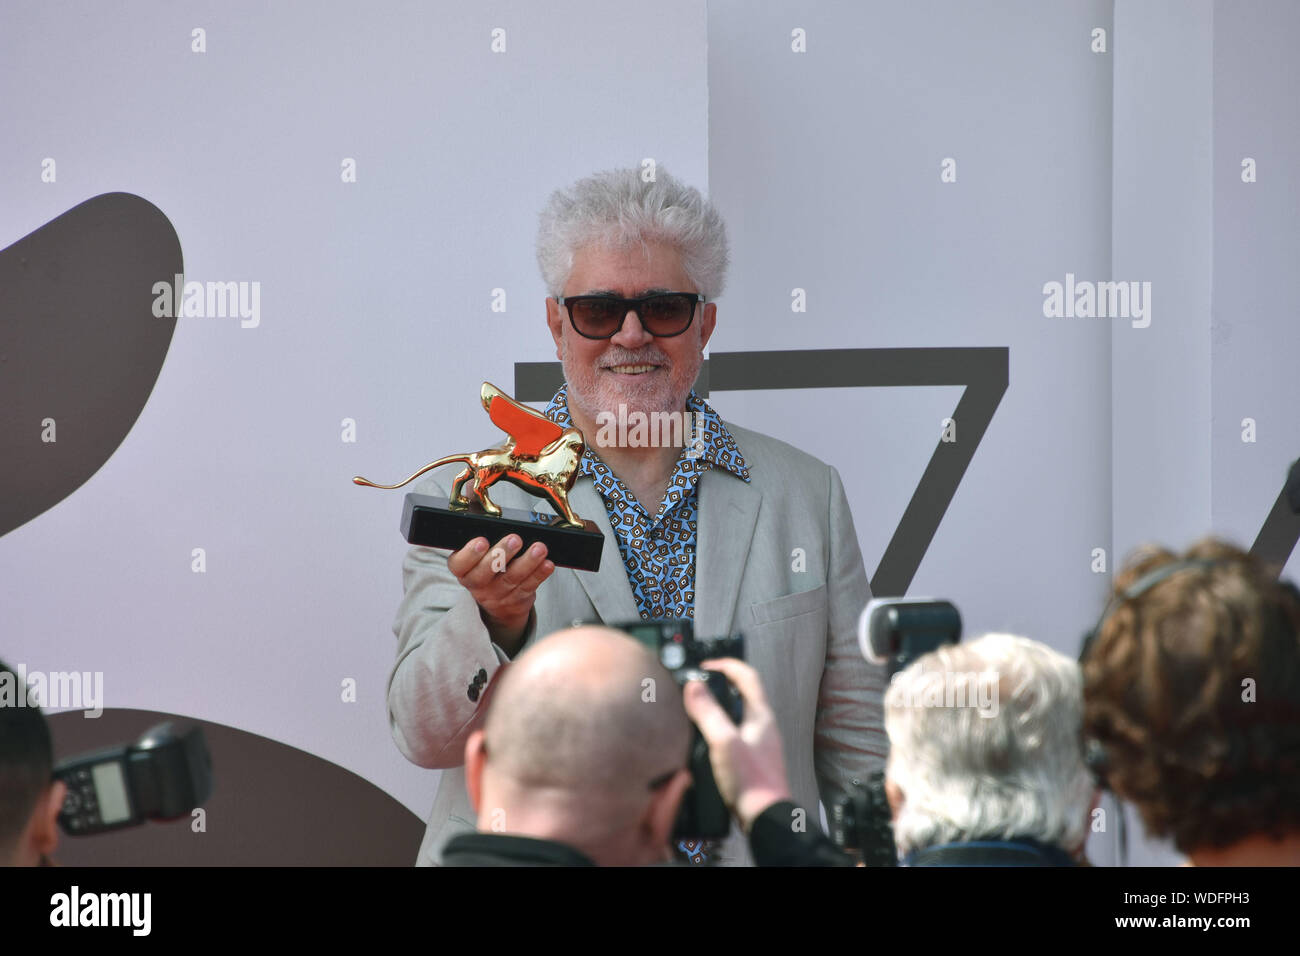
x,y
703,814
892,632
862,821
164,774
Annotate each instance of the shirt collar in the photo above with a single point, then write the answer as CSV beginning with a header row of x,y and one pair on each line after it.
x,y
716,446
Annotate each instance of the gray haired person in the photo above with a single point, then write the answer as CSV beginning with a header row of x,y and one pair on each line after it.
x,y
986,764
728,527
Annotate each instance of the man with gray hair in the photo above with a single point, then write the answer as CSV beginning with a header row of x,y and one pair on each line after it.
x,y
702,519
986,763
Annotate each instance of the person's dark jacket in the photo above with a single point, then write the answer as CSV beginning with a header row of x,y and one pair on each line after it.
x,y
504,849
772,839
775,842
1014,852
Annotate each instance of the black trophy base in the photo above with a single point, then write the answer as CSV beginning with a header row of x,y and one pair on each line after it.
x,y
430,523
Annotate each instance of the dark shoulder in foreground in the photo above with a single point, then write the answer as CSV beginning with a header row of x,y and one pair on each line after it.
x,y
503,849
776,840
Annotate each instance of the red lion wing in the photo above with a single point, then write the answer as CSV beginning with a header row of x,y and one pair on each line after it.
x,y
531,430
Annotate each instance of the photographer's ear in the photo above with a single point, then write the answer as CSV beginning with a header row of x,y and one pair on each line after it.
x,y
475,759
895,797
43,829
661,814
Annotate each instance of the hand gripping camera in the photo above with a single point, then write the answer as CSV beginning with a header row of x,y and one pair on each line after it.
x,y
703,813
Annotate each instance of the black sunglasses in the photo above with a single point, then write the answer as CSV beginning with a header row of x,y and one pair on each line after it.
x,y
663,314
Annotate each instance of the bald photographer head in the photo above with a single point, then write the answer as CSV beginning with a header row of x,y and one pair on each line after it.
x,y
582,756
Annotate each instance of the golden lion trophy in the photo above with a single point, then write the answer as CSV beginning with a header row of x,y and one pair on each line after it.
x,y
538,456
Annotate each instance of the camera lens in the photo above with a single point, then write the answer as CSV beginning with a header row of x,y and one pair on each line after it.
x,y
672,656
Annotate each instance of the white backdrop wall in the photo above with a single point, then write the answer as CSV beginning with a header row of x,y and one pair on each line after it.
x,y
376,306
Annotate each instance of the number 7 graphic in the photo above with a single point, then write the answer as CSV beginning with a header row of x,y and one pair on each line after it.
x,y
982,370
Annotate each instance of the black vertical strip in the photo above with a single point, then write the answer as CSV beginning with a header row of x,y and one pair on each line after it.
x,y
537,381
1277,538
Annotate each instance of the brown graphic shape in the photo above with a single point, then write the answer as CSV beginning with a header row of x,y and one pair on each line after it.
x,y
271,805
79,344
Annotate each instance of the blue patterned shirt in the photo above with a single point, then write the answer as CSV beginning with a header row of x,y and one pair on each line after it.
x,y
659,550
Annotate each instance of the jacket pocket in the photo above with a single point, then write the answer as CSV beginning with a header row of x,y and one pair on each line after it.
x,y
784,608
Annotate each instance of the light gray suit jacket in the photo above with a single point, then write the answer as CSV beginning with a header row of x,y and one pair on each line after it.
x,y
777,559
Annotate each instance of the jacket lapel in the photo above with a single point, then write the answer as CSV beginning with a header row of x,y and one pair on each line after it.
x,y
728,513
